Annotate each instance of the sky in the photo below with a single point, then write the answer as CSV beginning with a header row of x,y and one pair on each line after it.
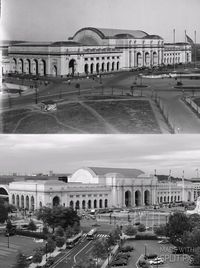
x,y
27,154
53,20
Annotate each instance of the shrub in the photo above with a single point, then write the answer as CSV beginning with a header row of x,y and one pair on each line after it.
x,y
60,241
32,226
141,228
31,234
127,249
37,257
130,230
145,237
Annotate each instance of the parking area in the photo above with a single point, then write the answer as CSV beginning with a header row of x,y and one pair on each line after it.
x,y
16,243
162,250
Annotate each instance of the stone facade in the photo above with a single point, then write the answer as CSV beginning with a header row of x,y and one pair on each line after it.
x,y
90,188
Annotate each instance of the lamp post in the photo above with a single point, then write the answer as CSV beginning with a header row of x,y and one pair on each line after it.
x,y
145,250
46,249
8,239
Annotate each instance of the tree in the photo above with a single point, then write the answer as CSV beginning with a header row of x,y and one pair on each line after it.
x,y
160,230
76,228
69,232
58,216
9,226
37,257
196,257
21,261
3,211
99,249
194,221
45,230
59,231
141,227
60,241
130,230
51,245
32,226
178,224
86,262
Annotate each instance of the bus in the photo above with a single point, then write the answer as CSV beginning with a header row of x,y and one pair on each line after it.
x,y
72,241
92,234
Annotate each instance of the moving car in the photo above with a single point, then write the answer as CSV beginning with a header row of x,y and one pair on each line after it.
x,y
156,261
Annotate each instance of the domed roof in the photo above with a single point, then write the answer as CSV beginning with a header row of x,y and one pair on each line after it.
x,y
105,33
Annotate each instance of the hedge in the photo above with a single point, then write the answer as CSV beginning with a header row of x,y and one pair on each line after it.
x,y
146,237
31,234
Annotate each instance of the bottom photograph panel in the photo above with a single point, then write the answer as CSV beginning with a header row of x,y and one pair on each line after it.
x,y
84,201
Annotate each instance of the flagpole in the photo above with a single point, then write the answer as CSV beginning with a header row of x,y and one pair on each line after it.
x,y
183,187
174,46
169,181
185,48
195,52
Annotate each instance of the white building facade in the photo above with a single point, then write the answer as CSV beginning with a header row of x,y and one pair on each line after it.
x,y
94,188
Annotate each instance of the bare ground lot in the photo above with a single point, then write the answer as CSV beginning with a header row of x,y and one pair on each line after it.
x,y
99,115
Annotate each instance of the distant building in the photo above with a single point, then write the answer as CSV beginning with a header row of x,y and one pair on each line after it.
x,y
177,53
98,187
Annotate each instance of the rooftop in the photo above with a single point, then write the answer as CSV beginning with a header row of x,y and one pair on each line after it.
x,y
126,172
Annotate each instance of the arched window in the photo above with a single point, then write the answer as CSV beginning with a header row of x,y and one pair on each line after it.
x,y
97,67
32,203
91,68
161,199
27,202
56,201
106,203
86,68
95,203
17,200
118,65
108,66
102,67
13,199
138,198
147,198
113,66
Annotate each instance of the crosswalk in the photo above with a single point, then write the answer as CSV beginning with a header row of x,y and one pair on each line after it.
x,y
98,235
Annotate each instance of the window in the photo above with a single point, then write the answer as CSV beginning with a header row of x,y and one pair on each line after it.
x,y
89,195
77,195
71,196
91,58
86,58
97,58
103,58
117,57
108,58
113,57
83,195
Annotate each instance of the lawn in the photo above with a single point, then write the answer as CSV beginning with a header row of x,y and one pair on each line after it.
x,y
17,243
85,116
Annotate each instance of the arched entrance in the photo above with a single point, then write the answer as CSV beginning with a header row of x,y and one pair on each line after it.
x,y
17,201
55,71
95,203
106,203
22,201
86,68
27,202
147,198
72,66
32,203
113,66
147,59
20,66
77,206
100,203
139,59
83,204
108,66
71,204
118,65
89,204
97,68
42,67
28,66
14,65
91,68
35,67
155,58
56,201
189,196
102,67
127,198
138,201
13,199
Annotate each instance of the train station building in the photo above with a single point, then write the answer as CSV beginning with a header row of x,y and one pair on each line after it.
x,y
99,187
94,51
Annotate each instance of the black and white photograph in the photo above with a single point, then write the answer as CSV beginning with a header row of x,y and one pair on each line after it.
x,y
99,133
105,67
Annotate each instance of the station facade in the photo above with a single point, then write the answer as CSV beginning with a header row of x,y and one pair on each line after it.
x,y
96,187
93,51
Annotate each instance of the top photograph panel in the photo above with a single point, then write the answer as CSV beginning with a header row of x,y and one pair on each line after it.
x,y
100,67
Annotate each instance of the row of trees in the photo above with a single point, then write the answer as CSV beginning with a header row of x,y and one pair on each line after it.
x,y
183,232
101,249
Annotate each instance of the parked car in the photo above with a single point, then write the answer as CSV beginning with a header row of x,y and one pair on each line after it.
x,y
164,241
119,262
156,261
49,262
127,249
